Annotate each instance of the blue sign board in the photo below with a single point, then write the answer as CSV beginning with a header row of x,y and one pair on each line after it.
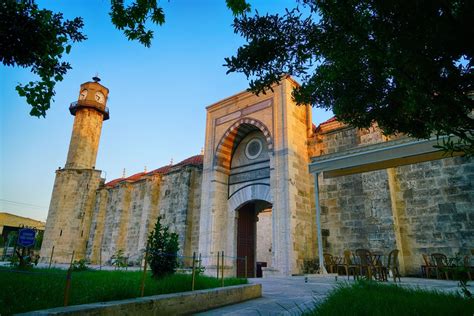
x,y
26,237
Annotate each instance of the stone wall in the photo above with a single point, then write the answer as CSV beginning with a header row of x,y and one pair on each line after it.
x,y
437,208
126,213
191,243
179,206
419,208
85,138
184,303
300,184
69,216
286,128
225,121
356,213
264,237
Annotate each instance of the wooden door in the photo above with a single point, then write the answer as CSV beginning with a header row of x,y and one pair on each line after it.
x,y
246,240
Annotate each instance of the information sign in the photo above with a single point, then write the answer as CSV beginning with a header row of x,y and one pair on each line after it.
x,y
26,237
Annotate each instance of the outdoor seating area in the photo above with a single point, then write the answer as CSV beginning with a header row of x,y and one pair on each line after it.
x,y
364,263
440,266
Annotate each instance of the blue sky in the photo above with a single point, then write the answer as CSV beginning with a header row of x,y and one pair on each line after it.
x,y
157,97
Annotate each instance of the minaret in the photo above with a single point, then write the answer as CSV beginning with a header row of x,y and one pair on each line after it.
x,y
72,201
90,111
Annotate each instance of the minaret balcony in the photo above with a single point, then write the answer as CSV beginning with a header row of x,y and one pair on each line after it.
x,y
75,106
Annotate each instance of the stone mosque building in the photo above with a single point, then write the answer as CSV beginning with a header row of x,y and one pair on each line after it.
x,y
266,180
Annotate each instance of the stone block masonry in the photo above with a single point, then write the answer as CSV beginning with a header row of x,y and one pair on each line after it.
x,y
126,212
420,208
168,304
69,216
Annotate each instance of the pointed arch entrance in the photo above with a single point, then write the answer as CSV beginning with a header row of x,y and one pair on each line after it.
x,y
250,249
256,148
234,135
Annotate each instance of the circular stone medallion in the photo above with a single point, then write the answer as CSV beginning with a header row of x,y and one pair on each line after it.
x,y
253,148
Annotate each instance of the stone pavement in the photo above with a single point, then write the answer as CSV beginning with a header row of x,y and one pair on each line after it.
x,y
292,296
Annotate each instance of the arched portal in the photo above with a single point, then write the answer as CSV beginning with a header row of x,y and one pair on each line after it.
x,y
253,240
249,194
234,135
257,149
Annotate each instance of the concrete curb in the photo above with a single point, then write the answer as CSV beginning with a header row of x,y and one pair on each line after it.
x,y
166,304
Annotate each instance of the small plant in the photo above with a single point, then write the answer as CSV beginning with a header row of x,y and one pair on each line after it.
x,y
460,273
310,266
163,248
119,260
199,269
79,265
14,261
21,260
464,291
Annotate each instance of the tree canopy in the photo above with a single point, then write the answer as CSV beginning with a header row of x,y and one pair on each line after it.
x,y
407,65
39,38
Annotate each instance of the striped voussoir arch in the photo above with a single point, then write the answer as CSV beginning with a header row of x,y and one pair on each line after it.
x,y
234,135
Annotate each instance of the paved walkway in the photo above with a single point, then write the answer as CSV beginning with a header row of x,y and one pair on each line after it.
x,y
292,296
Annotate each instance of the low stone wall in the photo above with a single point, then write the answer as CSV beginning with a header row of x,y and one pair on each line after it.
x,y
167,304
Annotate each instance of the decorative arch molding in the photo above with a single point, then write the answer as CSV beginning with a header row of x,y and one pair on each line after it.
x,y
249,193
234,134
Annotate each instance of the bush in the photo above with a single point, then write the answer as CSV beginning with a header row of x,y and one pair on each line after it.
x,y
163,248
79,265
22,260
310,266
118,260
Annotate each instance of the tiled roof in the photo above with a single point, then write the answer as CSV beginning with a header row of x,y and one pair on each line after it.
x,y
327,125
193,161
332,119
114,182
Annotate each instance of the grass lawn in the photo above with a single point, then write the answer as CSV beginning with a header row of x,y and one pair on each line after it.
x,y
44,288
369,298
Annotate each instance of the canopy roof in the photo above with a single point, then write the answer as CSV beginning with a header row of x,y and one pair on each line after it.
x,y
399,152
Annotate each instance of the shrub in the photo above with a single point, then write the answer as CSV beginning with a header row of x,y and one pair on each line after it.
x,y
22,260
119,260
79,265
163,248
310,266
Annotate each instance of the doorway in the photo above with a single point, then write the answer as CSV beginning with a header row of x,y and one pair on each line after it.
x,y
247,238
